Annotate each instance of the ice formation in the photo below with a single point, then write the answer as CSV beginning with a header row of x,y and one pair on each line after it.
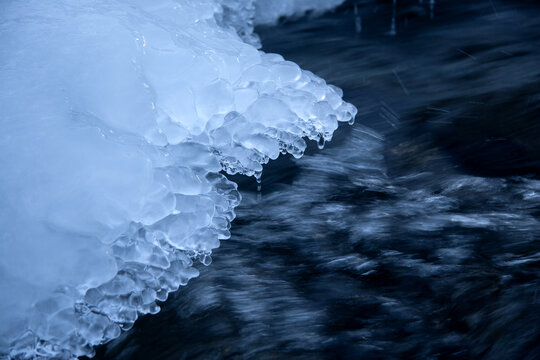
x,y
267,12
117,118
244,14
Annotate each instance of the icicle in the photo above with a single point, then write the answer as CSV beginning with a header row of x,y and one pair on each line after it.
x,y
393,26
258,177
321,142
357,20
431,9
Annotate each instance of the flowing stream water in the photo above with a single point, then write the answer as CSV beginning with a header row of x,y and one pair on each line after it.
x,y
415,232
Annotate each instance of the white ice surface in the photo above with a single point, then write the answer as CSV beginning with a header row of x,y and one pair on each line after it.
x,y
243,15
267,12
117,117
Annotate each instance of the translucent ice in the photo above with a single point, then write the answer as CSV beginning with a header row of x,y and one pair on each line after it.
x,y
117,117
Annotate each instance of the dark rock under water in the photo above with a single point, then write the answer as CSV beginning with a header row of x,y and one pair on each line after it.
x,y
415,233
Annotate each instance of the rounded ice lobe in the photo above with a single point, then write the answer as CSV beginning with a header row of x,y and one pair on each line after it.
x,y
117,120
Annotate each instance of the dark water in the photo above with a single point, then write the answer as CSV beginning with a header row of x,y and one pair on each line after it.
x,y
415,233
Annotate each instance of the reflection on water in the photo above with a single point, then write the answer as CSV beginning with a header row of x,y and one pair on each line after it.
x,y
415,233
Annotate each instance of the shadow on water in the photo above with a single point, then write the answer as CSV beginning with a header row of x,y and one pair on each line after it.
x,y
415,233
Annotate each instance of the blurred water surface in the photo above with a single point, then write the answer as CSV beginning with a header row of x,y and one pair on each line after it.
x,y
415,233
